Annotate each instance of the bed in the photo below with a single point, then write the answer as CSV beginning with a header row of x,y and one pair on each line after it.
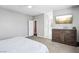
x,y
22,45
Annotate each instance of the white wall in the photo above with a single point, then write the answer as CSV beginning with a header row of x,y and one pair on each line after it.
x,y
12,24
74,12
62,12
48,17
29,25
44,25
40,25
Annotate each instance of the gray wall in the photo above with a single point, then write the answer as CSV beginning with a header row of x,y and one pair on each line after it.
x,y
40,25
73,11
12,24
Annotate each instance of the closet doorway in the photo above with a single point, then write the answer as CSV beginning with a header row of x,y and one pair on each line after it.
x,y
35,28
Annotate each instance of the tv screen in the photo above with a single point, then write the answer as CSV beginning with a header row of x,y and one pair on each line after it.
x,y
65,19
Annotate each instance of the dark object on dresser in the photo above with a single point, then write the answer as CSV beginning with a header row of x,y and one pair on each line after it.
x,y
77,44
65,36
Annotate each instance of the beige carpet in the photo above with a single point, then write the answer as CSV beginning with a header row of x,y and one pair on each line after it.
x,y
55,47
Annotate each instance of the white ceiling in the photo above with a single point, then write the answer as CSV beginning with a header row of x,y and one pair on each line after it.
x,y
35,10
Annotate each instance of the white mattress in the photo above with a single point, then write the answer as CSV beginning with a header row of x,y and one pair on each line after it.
x,y
22,45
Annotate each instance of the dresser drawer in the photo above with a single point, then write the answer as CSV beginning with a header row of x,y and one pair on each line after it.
x,y
64,36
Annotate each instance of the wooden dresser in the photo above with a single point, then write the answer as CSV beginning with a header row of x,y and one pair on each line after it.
x,y
65,36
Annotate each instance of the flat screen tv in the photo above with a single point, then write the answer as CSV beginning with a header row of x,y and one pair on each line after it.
x,y
65,19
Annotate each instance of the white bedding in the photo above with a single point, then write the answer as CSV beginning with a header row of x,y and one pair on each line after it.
x,y
22,45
